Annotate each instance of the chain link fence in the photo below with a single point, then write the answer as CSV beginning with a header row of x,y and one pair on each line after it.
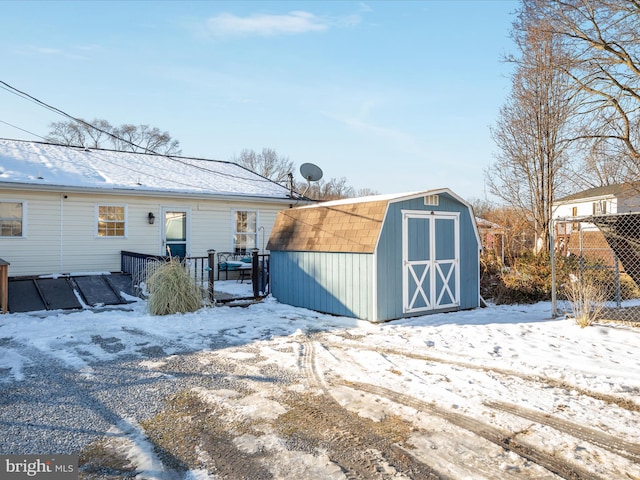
x,y
601,252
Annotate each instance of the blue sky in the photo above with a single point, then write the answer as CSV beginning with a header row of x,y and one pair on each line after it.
x,y
396,96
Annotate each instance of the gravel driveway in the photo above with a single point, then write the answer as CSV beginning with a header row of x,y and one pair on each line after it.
x,y
274,408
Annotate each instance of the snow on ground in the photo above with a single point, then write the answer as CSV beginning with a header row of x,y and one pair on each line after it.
x,y
473,354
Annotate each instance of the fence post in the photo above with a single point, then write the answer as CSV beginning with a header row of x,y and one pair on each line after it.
x,y
255,272
618,291
552,258
4,285
211,254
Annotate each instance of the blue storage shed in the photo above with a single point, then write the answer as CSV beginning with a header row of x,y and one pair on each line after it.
x,y
378,258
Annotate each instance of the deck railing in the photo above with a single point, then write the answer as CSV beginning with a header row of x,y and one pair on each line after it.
x,y
138,265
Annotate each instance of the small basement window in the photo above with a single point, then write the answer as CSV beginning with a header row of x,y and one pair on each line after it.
x,y
432,200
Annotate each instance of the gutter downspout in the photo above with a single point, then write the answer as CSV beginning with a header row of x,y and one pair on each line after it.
x,y
61,260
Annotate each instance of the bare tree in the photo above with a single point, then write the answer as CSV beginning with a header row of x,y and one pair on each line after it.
x,y
101,134
143,138
266,163
80,134
333,189
533,125
604,39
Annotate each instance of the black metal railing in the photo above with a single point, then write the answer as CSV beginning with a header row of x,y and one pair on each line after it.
x,y
260,274
139,266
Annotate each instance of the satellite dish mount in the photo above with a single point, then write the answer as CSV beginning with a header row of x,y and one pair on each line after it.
x,y
311,173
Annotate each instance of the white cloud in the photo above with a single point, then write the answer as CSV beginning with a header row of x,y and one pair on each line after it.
x,y
266,25
56,52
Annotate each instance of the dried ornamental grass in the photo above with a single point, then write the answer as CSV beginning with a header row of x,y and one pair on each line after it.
x,y
172,290
587,300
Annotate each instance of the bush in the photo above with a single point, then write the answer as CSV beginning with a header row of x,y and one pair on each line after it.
x,y
172,290
587,300
527,280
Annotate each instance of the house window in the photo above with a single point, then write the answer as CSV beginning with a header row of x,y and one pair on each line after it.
x,y
111,220
11,219
600,208
244,235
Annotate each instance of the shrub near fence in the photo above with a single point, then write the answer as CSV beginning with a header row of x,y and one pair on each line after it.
x,y
603,253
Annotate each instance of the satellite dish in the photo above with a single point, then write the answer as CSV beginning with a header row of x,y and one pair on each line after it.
x,y
310,172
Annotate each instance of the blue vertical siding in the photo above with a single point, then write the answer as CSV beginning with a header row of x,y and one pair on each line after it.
x,y
344,283
389,255
336,283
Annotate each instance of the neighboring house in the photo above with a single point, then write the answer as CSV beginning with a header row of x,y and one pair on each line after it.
x,y
492,237
378,258
66,209
608,200
621,198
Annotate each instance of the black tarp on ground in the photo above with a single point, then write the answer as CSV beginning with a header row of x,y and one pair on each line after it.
x,y
622,232
34,294
24,296
96,290
58,293
121,283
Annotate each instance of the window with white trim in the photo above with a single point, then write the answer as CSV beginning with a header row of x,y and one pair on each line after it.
x,y
245,231
12,219
112,220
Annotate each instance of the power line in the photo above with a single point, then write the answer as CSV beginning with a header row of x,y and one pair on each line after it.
x,y
5,86
26,131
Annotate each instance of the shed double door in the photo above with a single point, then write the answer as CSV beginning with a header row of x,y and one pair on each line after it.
x,y
431,259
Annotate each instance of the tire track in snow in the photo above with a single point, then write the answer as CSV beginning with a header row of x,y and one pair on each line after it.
x,y
621,402
628,450
358,450
505,440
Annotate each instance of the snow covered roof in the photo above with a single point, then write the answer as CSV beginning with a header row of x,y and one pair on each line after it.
x,y
43,166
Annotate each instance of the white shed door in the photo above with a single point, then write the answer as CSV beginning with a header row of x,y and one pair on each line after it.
x,y
430,257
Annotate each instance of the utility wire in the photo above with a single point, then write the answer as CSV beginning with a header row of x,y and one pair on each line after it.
x,y
20,93
26,131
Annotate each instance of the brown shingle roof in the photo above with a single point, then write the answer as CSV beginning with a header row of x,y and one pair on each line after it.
x,y
351,227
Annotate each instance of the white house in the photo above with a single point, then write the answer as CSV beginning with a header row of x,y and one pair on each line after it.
x,y
67,209
620,198
571,214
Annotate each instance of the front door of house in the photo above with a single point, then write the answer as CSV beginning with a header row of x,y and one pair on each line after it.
x,y
175,235
430,257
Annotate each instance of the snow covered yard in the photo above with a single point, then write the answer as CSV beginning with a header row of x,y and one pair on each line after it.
x,y
272,391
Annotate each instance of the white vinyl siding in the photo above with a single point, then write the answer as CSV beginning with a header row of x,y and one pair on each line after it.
x,y
62,230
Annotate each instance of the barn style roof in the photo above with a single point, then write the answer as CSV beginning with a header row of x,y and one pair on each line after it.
x,y
42,166
350,225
